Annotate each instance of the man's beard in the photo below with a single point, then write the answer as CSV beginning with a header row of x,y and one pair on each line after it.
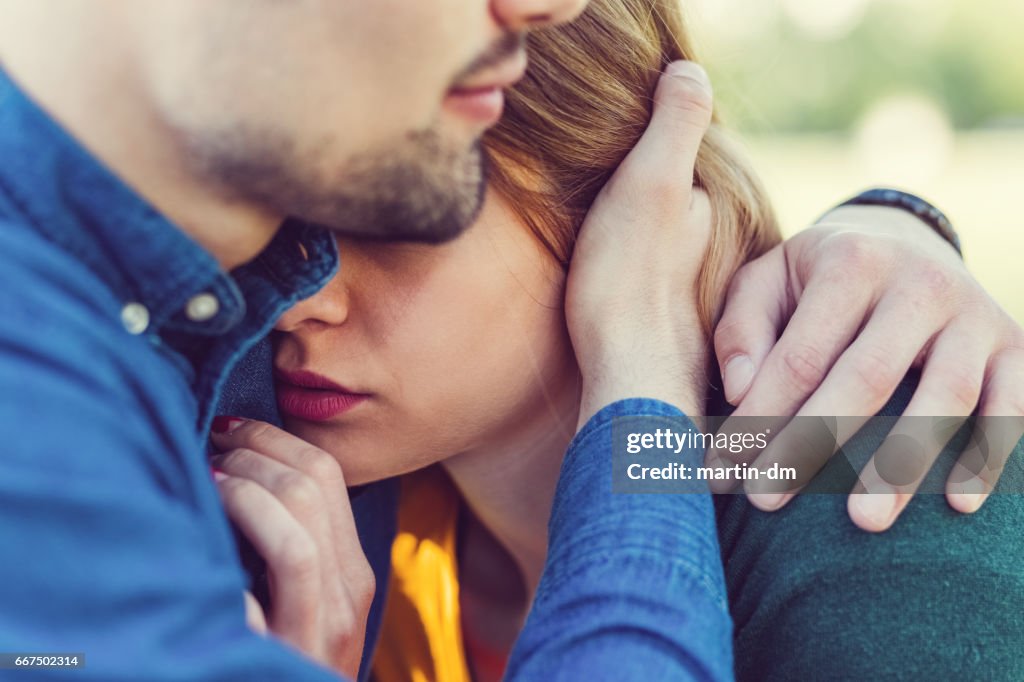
x,y
419,189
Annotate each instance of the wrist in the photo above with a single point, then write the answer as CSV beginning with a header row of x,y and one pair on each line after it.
x,y
653,355
682,392
908,204
887,222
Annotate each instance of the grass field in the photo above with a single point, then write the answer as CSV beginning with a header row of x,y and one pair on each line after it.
x,y
978,182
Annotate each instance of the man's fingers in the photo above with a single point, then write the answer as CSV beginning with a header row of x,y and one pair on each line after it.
x,y
868,372
804,446
635,261
858,385
723,459
812,341
949,388
751,321
998,430
812,372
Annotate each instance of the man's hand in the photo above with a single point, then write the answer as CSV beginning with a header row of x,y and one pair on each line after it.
x,y
631,292
830,321
289,499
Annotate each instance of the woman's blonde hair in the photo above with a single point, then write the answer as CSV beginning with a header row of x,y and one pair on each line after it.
x,y
583,104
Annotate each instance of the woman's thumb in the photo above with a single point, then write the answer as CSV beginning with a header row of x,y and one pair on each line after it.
x,y
683,105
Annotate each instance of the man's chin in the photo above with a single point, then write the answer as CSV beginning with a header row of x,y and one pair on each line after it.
x,y
396,226
412,203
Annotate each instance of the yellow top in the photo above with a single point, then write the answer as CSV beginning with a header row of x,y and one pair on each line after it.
x,y
421,635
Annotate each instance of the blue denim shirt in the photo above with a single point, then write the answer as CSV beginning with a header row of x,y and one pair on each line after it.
x,y
115,542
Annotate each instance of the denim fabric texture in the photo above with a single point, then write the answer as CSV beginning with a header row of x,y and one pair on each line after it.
x,y
114,538
633,586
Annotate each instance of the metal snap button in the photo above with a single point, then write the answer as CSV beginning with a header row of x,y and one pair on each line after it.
x,y
135,317
202,307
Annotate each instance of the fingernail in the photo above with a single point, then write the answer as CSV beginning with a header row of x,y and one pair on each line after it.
x,y
876,508
217,474
686,69
971,494
737,375
225,424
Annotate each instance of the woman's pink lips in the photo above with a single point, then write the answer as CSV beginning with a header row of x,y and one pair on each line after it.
x,y
312,397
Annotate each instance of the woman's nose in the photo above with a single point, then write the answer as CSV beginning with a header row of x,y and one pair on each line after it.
x,y
328,307
520,15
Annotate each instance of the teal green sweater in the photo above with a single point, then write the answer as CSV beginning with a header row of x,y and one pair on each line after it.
x,y
940,596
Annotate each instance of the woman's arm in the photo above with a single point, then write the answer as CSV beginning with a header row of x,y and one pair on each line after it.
x,y
633,586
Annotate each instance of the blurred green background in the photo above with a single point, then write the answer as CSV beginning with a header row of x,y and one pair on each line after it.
x,y
833,96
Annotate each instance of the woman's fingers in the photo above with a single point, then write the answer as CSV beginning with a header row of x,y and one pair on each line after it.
x,y
291,553
667,151
305,465
346,568
289,498
299,494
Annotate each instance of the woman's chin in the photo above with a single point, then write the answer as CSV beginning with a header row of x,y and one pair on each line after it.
x,y
363,458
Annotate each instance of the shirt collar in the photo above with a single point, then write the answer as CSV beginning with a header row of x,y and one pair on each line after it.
x,y
154,268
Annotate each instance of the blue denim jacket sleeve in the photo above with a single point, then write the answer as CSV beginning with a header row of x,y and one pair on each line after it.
x,y
113,540
633,588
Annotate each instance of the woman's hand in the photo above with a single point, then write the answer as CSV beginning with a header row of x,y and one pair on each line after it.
x,y
859,299
289,499
631,292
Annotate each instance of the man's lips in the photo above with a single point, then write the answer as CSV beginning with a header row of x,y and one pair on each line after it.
x,y
481,97
313,397
502,76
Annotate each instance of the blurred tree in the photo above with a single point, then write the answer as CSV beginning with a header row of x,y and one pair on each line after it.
x,y
779,76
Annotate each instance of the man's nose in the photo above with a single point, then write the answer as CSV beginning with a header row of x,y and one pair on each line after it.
x,y
519,15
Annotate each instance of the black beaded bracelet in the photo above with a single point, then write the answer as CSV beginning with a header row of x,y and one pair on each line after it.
x,y
894,198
